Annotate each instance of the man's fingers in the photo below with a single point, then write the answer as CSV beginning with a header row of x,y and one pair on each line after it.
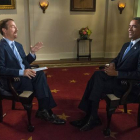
x,y
29,77
30,73
39,44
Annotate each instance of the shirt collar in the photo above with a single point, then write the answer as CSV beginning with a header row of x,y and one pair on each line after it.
x,y
9,41
135,41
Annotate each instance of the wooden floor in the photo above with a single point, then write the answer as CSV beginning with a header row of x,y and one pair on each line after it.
x,y
73,62
81,60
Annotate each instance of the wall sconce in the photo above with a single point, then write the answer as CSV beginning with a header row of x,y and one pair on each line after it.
x,y
121,6
43,5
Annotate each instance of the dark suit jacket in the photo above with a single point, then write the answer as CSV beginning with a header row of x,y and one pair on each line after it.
x,y
129,67
9,64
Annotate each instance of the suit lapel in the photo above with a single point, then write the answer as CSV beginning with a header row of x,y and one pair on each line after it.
x,y
132,50
10,51
122,52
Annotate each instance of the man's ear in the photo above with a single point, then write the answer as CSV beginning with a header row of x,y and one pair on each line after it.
x,y
4,30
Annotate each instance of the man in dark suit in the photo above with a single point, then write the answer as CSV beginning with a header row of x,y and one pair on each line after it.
x,y
14,62
125,66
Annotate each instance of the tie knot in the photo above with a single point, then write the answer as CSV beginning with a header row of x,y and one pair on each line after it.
x,y
12,44
131,44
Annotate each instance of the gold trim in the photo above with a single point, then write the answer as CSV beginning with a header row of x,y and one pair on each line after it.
x,y
12,6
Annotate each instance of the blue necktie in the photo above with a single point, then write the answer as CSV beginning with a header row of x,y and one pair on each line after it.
x,y
17,55
127,50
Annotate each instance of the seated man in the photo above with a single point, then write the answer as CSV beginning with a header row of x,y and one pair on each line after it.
x,y
125,66
14,62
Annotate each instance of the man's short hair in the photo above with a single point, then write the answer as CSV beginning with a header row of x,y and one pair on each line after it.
x,y
3,24
138,19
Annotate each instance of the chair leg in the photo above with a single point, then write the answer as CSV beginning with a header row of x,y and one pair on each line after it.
x,y
125,108
13,105
28,108
110,111
1,111
138,119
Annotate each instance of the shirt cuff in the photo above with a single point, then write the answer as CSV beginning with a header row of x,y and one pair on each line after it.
x,y
21,72
33,55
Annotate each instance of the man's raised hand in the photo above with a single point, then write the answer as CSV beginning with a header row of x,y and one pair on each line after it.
x,y
36,47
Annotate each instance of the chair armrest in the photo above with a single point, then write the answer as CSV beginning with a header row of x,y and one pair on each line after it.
x,y
115,101
130,85
10,80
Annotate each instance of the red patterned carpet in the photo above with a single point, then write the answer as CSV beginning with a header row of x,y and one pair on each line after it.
x,y
67,86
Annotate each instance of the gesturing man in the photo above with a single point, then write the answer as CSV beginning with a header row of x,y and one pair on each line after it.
x,y
125,66
14,62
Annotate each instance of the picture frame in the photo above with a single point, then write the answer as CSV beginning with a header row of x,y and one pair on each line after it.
x,y
83,5
7,4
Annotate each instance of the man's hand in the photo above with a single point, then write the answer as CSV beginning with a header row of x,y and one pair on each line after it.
x,y
29,73
112,65
110,70
36,47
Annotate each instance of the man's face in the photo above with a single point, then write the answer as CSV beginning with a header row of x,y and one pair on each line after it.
x,y
134,30
11,31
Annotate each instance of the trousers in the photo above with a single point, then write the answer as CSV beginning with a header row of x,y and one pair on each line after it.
x,y
39,86
97,87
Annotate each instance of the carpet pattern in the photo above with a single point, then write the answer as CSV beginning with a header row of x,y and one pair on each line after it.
x,y
67,86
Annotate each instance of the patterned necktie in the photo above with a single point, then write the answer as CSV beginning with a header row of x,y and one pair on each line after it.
x,y
17,55
127,50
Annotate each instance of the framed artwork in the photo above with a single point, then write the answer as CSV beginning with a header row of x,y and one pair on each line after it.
x,y
7,4
83,5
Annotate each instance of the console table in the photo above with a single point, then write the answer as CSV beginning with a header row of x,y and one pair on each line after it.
x,y
89,56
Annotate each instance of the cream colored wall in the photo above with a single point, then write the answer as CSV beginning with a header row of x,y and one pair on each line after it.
x,y
117,26
138,11
58,27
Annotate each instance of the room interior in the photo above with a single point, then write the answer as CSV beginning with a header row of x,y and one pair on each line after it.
x,y
58,28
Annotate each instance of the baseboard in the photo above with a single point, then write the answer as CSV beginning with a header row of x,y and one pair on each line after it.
x,y
69,55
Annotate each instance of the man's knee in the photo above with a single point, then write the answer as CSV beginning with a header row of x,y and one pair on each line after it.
x,y
40,77
40,73
97,74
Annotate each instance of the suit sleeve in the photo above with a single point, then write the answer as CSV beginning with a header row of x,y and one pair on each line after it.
x,y
30,58
116,60
27,59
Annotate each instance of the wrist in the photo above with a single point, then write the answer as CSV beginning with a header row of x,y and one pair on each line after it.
x,y
32,52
